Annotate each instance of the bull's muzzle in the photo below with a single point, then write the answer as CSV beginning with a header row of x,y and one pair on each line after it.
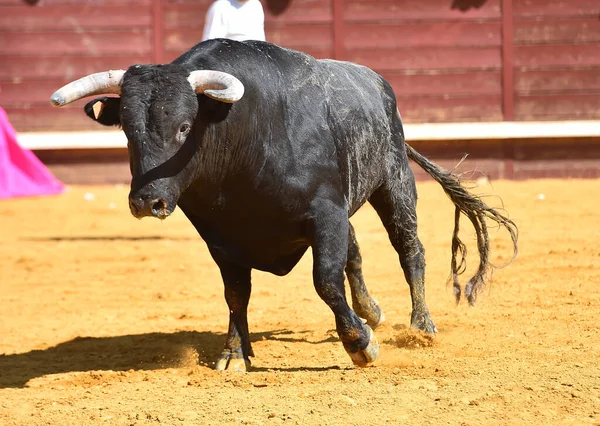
x,y
147,206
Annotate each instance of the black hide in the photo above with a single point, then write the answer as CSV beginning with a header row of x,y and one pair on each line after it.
x,y
252,175
281,170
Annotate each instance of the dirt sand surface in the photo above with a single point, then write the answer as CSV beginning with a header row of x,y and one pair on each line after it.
x,y
105,319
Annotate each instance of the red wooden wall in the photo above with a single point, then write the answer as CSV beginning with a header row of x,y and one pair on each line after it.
x,y
305,25
448,60
44,47
557,59
444,64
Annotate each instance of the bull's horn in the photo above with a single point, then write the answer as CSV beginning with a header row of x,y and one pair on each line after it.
x,y
93,84
217,85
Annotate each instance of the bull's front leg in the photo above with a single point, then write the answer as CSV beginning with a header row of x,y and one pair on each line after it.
x,y
235,355
330,250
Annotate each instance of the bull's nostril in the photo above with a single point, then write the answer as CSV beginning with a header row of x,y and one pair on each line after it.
x,y
134,208
159,207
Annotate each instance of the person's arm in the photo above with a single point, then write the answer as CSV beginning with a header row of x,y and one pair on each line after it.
x,y
214,24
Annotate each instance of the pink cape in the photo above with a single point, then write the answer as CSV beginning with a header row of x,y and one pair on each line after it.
x,y
21,172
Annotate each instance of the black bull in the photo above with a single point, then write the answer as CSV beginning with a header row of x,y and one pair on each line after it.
x,y
269,151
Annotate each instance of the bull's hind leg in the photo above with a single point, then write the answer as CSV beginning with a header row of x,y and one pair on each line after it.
x,y
362,303
329,245
235,355
395,203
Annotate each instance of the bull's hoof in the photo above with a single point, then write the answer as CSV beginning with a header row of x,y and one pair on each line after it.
x,y
373,315
364,357
232,360
422,321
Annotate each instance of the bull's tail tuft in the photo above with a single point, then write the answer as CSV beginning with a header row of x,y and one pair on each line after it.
x,y
477,211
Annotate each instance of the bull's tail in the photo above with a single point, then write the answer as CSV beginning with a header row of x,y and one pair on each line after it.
x,y
477,211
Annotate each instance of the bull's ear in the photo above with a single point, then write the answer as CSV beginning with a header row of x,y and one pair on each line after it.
x,y
104,111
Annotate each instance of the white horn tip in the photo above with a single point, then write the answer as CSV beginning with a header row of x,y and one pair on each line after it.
x,y
57,100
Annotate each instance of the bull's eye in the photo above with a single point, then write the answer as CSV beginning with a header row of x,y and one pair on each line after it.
x,y
184,128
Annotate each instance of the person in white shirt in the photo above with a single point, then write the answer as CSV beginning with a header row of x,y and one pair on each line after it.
x,y
236,20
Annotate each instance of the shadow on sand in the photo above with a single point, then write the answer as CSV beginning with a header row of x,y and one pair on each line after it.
x,y
149,351
111,238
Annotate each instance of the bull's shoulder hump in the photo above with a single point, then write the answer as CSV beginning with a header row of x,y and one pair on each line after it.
x,y
349,72
343,74
334,64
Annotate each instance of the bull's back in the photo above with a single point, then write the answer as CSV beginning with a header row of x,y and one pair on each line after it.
x,y
362,109
314,124
329,108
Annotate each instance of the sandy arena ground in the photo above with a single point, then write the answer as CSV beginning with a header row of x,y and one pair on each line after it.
x,y
105,319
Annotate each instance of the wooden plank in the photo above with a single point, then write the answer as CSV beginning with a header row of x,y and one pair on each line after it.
x,y
508,60
181,40
557,31
28,93
569,147
504,130
204,3
427,58
71,18
302,11
67,118
96,172
315,37
301,37
557,80
419,109
180,16
451,34
65,68
443,83
480,139
171,56
559,8
557,169
122,42
339,30
411,10
49,3
111,139
191,14
158,29
563,55
558,107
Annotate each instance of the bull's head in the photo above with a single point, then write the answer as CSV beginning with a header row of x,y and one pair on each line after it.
x,y
157,109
